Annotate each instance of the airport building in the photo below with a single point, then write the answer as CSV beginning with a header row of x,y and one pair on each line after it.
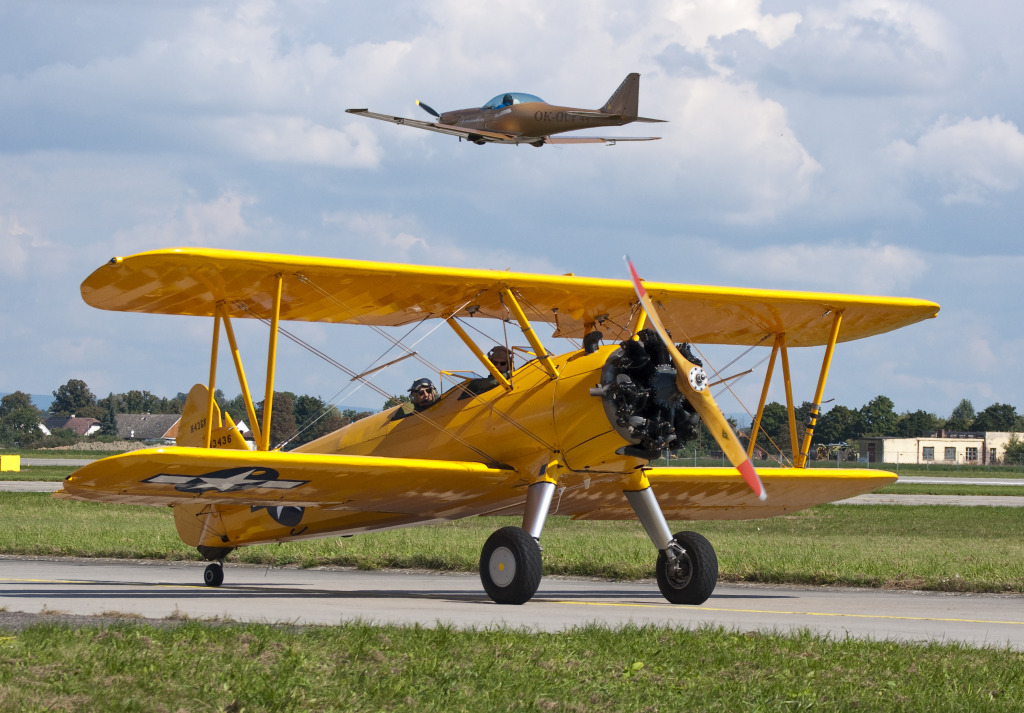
x,y
968,448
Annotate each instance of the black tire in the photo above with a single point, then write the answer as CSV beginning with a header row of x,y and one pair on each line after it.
x,y
693,577
510,566
214,575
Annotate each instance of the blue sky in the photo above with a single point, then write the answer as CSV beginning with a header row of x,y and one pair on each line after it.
x,y
869,147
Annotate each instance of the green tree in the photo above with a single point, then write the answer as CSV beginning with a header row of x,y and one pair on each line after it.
x,y
880,418
236,407
314,418
108,424
282,417
75,399
19,419
773,434
918,423
997,417
395,401
839,425
1014,451
962,416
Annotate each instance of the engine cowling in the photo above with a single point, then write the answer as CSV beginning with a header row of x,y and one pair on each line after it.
x,y
638,389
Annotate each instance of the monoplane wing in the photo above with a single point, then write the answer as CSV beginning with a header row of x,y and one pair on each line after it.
x,y
181,475
475,135
596,139
194,281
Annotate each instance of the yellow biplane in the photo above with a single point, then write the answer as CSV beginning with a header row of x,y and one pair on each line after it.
x,y
571,434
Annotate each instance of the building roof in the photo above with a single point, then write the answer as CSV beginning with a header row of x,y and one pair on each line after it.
x,y
146,426
79,424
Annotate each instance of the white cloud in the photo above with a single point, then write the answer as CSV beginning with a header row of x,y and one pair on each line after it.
x,y
857,269
973,160
296,139
734,151
16,241
878,47
217,223
400,238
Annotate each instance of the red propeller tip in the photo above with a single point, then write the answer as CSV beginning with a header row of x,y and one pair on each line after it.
x,y
746,469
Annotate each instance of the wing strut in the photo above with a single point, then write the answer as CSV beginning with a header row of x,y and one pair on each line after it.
x,y
505,383
268,399
236,355
764,396
208,431
531,336
800,461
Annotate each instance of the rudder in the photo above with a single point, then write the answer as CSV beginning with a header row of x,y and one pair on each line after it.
x,y
626,100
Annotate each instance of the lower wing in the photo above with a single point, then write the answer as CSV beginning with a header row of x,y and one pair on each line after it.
x,y
182,475
716,493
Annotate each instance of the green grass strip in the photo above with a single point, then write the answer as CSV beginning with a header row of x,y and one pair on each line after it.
x,y
358,667
943,548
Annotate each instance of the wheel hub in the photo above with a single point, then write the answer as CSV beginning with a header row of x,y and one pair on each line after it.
x,y
502,566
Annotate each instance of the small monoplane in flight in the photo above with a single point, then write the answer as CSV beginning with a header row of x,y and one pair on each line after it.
x,y
518,118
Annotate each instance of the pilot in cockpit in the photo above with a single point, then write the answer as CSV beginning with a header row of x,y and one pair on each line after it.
x,y
422,395
502,360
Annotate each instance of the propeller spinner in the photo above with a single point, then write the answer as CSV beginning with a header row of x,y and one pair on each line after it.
x,y
692,383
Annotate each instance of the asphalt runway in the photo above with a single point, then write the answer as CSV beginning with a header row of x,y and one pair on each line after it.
x,y
169,591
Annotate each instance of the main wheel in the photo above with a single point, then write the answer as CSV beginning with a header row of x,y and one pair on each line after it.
x,y
214,575
692,577
510,566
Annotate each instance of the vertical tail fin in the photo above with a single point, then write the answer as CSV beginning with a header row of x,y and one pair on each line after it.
x,y
192,426
626,99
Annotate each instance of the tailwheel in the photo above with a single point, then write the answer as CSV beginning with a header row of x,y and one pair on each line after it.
x,y
690,576
214,575
510,566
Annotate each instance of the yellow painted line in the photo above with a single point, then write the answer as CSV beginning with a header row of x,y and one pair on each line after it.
x,y
803,613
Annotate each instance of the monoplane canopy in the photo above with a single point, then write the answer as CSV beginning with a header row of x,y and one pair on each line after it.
x,y
512,98
193,281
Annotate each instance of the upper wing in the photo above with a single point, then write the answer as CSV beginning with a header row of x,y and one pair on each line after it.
x,y
181,475
492,136
193,281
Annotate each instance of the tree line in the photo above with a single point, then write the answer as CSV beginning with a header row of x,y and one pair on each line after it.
x,y
298,419
295,419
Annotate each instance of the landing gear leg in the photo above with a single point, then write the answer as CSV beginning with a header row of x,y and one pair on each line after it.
x,y
687,566
213,576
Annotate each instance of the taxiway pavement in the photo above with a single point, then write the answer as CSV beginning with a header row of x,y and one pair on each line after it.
x,y
169,591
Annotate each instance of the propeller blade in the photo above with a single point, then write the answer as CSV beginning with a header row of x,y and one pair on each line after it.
x,y
692,382
428,109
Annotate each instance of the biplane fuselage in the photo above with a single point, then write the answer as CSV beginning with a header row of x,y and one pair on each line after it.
x,y
570,434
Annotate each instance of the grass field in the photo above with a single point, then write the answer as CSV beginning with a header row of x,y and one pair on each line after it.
x,y
193,666
934,548
357,667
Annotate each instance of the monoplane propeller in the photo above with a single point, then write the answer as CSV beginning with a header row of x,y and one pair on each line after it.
x,y
428,109
692,383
